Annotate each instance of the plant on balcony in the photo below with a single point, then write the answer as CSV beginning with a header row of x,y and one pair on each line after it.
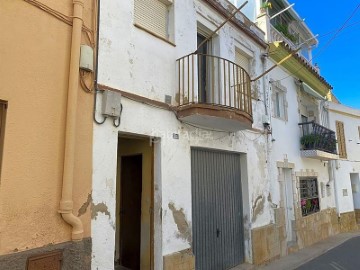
x,y
308,141
282,28
330,145
264,6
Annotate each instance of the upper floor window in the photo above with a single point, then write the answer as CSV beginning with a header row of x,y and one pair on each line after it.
x,y
279,101
153,16
340,134
244,62
3,108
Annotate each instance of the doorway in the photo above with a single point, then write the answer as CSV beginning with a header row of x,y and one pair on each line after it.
x,y
134,204
289,206
355,186
203,69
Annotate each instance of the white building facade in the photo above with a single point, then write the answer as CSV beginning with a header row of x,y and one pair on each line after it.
x,y
183,111
346,122
201,167
304,184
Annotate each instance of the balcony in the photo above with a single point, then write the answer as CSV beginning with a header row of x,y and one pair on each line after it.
x,y
318,142
213,93
276,35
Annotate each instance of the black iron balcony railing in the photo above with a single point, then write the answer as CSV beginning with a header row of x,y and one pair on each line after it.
x,y
317,137
212,80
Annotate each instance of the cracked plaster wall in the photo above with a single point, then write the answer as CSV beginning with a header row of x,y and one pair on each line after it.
x,y
134,61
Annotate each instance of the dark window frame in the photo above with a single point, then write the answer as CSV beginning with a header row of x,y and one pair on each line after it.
x,y
309,196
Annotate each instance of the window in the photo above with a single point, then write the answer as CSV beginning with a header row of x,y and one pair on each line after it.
x,y
3,108
153,16
279,101
340,134
359,131
309,196
244,62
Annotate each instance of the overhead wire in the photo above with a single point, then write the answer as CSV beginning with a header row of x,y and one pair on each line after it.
x,y
90,35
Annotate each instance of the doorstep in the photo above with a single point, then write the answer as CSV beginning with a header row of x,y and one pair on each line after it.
x,y
294,260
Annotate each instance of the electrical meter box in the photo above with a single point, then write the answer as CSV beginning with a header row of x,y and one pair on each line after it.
x,y
111,104
86,58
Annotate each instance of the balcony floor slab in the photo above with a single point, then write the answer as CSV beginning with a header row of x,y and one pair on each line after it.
x,y
214,117
318,154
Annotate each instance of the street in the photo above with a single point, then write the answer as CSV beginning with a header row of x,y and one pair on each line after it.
x,y
344,257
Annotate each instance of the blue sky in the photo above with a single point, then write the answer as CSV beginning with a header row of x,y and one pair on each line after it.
x,y
340,61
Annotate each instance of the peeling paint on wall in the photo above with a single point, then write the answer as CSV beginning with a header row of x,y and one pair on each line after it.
x,y
99,208
258,207
184,230
85,206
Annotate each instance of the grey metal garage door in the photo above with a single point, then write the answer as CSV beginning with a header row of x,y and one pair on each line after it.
x,y
216,209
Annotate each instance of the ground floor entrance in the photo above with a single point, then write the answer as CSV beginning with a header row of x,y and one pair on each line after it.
x,y
218,234
134,204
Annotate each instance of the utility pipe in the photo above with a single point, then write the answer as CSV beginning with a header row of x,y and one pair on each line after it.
x,y
66,202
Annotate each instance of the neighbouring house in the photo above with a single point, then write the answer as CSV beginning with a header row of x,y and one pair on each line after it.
x,y
345,171
45,134
306,205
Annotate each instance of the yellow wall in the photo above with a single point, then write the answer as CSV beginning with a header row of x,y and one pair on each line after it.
x,y
34,64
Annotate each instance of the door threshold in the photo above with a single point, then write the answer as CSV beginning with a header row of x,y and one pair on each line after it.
x,y
120,267
244,266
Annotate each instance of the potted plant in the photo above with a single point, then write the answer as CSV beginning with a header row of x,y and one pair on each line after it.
x,y
264,6
308,141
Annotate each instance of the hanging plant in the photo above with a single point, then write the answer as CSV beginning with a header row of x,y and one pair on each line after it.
x,y
266,5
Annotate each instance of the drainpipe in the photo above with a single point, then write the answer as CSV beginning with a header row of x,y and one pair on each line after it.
x,y
331,168
331,164
66,202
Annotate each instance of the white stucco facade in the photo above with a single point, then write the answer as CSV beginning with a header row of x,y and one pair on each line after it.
x,y
135,61
143,66
286,136
346,170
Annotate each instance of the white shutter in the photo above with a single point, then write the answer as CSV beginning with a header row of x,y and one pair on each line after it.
x,y
242,61
152,15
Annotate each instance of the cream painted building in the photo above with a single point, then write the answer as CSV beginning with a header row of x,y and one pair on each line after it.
x,y
45,134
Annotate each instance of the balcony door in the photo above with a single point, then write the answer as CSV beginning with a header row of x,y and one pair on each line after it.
x,y
203,70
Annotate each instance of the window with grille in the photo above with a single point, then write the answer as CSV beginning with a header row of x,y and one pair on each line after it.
x,y
340,134
153,16
3,108
309,196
